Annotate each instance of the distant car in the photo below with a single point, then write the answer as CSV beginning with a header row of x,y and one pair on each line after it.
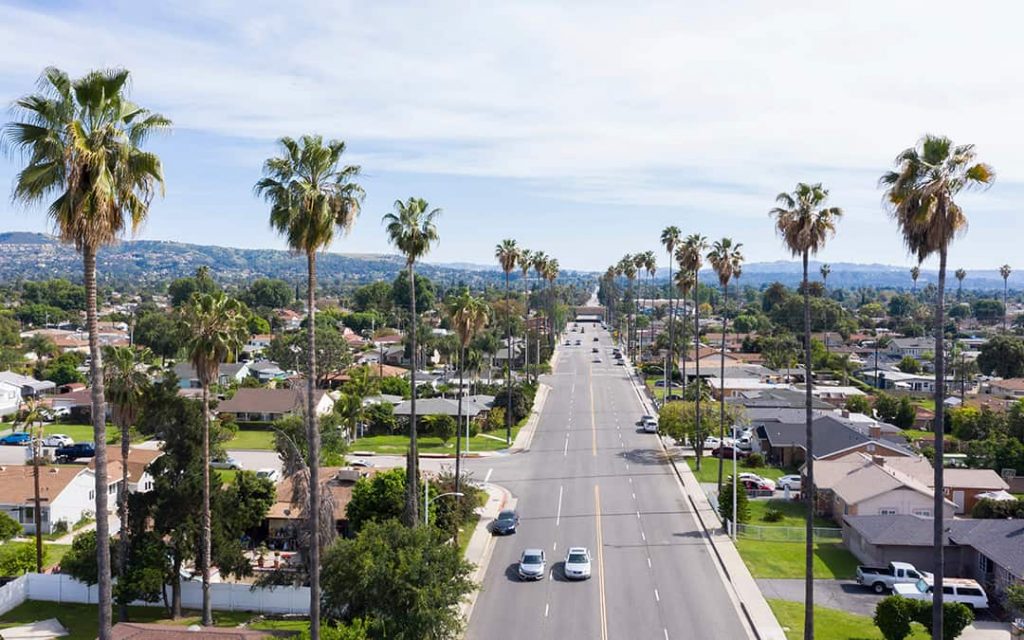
x,y
754,477
568,343
227,462
649,424
725,453
577,563
58,440
73,452
711,442
791,482
757,484
270,474
577,343
620,362
594,350
16,439
597,360
506,523
359,462
60,412
595,338
531,564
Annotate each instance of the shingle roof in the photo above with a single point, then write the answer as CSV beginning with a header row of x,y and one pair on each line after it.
x,y
17,484
903,530
185,370
780,398
471,406
266,400
831,434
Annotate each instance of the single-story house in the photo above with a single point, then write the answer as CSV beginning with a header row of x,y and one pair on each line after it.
x,y
66,494
267,405
778,398
962,486
283,518
10,399
732,387
30,387
266,371
835,395
78,401
913,347
989,551
139,478
783,440
227,373
1009,388
472,406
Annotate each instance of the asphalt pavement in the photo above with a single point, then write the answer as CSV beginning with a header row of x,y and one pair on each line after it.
x,y
592,478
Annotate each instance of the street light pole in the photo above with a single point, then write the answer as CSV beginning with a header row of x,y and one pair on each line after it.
x,y
427,500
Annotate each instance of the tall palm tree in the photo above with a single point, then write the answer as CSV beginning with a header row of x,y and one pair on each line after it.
x,y
670,237
506,253
826,271
805,223
468,316
540,265
214,326
691,258
650,266
412,229
638,264
30,419
960,275
915,273
551,270
127,383
524,260
683,284
727,261
311,195
1005,271
82,140
627,266
921,193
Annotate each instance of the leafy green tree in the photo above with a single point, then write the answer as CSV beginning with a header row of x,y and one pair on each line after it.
x,y
17,558
380,417
38,315
955,618
268,293
909,364
290,438
858,404
63,369
10,331
181,290
376,498
905,414
396,386
255,324
407,581
442,426
988,509
1002,356
725,501
56,292
1015,598
987,310
893,616
426,292
332,351
42,345
886,407
376,296
9,527
158,331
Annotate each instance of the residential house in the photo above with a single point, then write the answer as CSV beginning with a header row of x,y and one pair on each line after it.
x,y
266,371
1008,389
733,387
777,398
78,401
962,486
66,494
893,379
989,551
30,387
10,399
257,344
472,406
289,320
913,347
835,395
139,478
268,405
227,373
783,438
284,518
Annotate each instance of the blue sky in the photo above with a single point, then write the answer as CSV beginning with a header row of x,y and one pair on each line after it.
x,y
581,132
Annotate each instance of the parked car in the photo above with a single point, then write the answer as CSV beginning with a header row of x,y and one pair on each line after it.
x,y
270,474
791,482
226,462
58,440
757,482
60,412
882,579
962,590
726,452
75,451
577,563
17,439
577,343
506,523
531,564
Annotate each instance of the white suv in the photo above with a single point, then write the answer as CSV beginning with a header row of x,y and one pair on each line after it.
x,y
962,590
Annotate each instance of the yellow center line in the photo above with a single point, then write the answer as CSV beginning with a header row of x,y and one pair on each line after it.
x,y
600,565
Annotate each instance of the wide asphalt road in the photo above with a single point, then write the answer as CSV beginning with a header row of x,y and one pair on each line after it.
x,y
592,479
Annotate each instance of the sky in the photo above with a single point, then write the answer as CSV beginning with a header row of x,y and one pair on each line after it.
x,y
580,129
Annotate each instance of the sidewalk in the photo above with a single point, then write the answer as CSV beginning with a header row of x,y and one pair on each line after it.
x,y
752,602
481,544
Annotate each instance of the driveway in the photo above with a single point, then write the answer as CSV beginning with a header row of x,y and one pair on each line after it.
x,y
844,595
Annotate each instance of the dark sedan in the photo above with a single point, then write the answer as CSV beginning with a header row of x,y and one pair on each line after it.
x,y
506,523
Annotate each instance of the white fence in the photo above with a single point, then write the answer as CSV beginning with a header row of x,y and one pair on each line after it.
x,y
224,596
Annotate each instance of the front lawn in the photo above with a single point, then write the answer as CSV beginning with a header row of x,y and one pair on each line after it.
x,y
709,469
397,444
794,514
786,559
52,553
920,434
81,619
261,439
831,624
83,432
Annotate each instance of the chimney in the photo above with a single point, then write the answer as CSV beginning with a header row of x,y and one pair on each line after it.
x,y
875,431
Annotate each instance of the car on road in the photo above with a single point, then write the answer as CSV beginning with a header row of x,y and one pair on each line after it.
x,y
597,360
960,590
532,564
726,453
791,482
58,440
75,451
649,424
16,439
577,563
711,442
595,338
225,462
577,343
270,474
757,484
594,350
506,523
883,579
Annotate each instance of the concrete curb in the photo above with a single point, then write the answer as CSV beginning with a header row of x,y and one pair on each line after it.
x,y
481,544
752,603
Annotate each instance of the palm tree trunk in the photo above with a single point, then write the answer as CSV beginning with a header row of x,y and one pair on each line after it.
x,y
176,587
205,554
696,364
938,524
809,497
313,435
508,371
670,365
412,472
458,419
1005,310
37,516
721,400
122,514
99,428
526,331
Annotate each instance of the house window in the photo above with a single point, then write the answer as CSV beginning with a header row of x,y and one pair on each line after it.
x,y
984,564
924,513
887,511
111,489
28,514
92,495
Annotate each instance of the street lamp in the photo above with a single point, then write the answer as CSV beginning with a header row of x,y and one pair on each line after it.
x,y
427,500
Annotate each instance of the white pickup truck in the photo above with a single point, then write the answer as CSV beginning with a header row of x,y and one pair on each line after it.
x,y
961,590
882,579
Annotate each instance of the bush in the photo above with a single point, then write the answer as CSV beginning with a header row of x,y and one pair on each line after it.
x,y
998,509
9,527
955,617
771,514
59,528
1015,598
725,502
17,558
893,616
755,460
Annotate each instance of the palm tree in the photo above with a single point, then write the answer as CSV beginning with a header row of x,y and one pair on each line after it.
x,y
412,230
915,273
1005,271
83,143
670,236
540,265
468,316
691,258
683,284
506,253
627,267
31,418
311,194
921,194
214,327
960,275
650,266
551,270
805,223
524,260
826,271
727,261
127,382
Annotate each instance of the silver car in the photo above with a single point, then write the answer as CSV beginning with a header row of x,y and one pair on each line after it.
x,y
58,440
577,563
532,564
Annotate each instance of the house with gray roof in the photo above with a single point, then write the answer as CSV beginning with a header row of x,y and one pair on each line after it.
x,y
779,397
784,440
227,373
30,387
989,551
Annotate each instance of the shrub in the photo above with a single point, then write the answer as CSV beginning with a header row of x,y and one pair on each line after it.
x,y
1015,598
755,460
9,527
893,617
59,528
955,617
771,514
725,502
17,558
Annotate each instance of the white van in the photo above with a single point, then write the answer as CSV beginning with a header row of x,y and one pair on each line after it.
x,y
961,590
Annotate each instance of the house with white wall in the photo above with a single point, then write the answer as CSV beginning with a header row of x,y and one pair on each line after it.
x,y
66,494
10,399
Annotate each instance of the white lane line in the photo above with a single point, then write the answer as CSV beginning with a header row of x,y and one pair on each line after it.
x,y
631,479
565,451
627,469
649,562
558,516
488,476
546,605
666,633
637,515
642,536
554,547
657,597
634,495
